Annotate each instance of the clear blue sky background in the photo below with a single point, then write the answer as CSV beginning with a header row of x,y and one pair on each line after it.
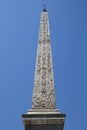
x,y
19,28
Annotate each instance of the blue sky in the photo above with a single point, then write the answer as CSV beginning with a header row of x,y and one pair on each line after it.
x,y
19,28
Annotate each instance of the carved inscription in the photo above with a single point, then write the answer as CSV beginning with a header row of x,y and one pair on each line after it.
x,y
44,95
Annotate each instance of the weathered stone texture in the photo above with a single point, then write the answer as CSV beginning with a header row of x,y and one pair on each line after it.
x,y
44,121
43,94
44,127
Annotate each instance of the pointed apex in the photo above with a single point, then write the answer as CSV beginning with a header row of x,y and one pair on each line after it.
x,y
44,9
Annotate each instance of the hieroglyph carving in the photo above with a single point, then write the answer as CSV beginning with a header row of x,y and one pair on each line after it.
x,y
43,94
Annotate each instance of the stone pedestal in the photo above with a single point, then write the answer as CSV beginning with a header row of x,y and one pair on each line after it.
x,y
43,120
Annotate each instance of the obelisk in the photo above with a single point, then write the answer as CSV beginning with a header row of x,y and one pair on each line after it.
x,y
44,115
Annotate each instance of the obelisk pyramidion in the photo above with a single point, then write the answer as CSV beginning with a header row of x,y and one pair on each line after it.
x,y
44,114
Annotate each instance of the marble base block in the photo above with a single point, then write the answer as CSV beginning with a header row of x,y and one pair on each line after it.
x,y
43,120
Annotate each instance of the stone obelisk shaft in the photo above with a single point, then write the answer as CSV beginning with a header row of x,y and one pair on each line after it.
x,y
44,115
43,93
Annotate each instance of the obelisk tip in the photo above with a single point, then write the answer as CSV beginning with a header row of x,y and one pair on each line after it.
x,y
44,9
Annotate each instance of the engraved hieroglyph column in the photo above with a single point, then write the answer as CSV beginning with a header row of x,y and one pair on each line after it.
x,y
43,93
44,115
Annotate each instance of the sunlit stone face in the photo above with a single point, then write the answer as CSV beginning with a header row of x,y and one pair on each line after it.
x,y
43,94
